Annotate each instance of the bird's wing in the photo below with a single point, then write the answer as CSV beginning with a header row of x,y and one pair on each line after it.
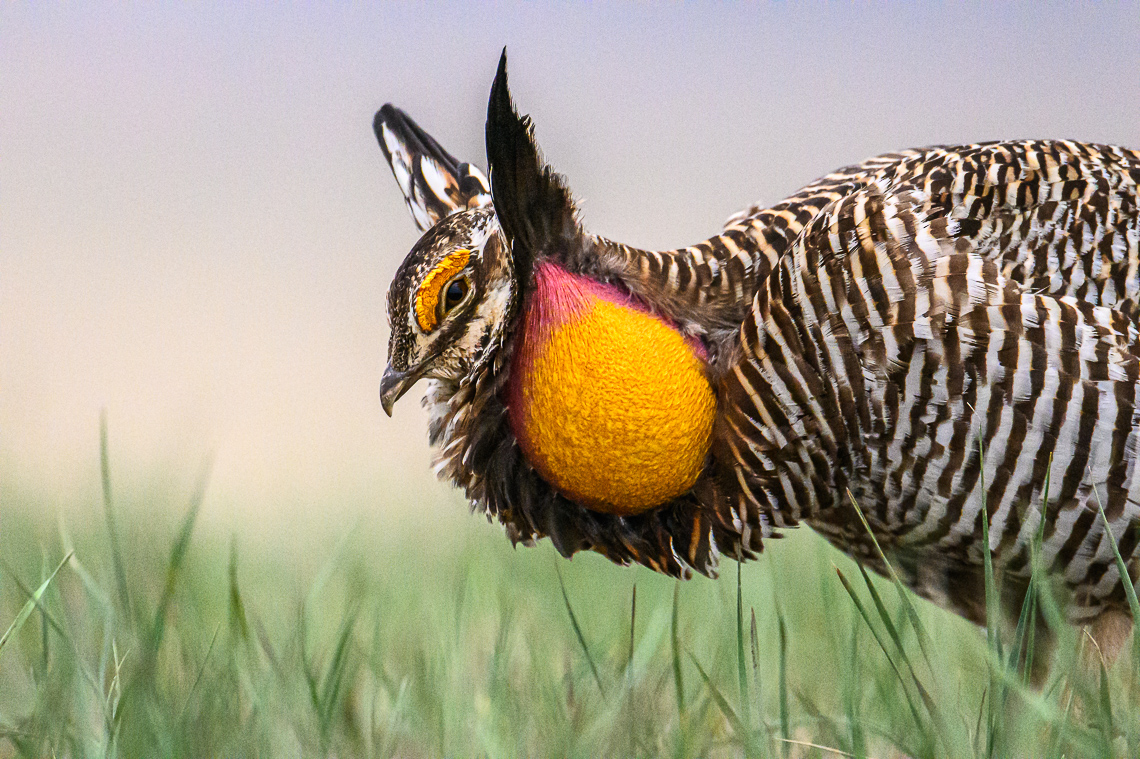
x,y
1060,219
433,182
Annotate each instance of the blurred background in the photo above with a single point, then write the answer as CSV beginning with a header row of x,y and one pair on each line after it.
x,y
197,228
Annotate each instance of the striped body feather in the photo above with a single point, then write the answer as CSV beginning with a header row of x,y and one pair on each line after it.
x,y
969,301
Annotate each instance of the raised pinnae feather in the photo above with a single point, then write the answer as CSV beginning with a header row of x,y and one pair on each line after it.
x,y
433,182
534,206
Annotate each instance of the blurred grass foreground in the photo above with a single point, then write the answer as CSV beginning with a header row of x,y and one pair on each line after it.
x,y
134,635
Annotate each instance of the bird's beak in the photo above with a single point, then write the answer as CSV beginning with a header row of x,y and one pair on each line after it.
x,y
394,384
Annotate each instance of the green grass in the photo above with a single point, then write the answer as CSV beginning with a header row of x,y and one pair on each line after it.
x,y
159,639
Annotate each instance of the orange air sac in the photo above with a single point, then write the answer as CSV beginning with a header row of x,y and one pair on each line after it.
x,y
610,403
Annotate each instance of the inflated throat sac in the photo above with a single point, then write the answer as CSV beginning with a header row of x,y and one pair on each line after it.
x,y
610,403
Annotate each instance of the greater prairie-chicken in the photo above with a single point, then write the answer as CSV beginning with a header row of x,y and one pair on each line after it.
x,y
905,330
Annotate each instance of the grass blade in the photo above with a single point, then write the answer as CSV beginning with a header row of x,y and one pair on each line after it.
x,y
1133,605
308,668
1125,578
896,638
754,640
112,522
908,606
878,639
177,556
334,678
30,605
578,633
851,685
39,602
725,707
993,613
1105,704
632,629
884,615
1055,749
911,612
983,709
741,666
1020,658
239,623
785,729
788,742
1021,654
201,671
678,681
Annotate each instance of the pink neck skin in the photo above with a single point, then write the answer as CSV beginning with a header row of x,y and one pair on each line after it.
x,y
559,298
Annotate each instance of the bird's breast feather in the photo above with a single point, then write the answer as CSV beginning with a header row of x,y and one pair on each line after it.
x,y
610,403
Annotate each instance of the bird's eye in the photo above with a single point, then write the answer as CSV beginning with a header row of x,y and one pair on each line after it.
x,y
454,294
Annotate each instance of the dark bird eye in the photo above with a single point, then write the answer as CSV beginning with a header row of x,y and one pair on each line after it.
x,y
454,294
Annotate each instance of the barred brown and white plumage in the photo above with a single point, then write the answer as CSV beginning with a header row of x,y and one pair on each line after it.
x,y
878,357
875,332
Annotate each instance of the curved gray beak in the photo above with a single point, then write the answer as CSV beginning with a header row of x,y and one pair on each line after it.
x,y
393,385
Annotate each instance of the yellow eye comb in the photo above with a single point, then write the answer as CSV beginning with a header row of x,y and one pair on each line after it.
x,y
427,297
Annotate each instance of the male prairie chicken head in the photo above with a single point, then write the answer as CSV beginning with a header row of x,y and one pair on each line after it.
x,y
448,304
566,400
450,299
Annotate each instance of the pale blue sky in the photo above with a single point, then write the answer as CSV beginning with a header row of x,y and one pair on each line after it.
x,y
197,228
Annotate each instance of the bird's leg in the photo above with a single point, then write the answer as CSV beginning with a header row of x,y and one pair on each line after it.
x,y
1045,644
1110,631
1103,640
